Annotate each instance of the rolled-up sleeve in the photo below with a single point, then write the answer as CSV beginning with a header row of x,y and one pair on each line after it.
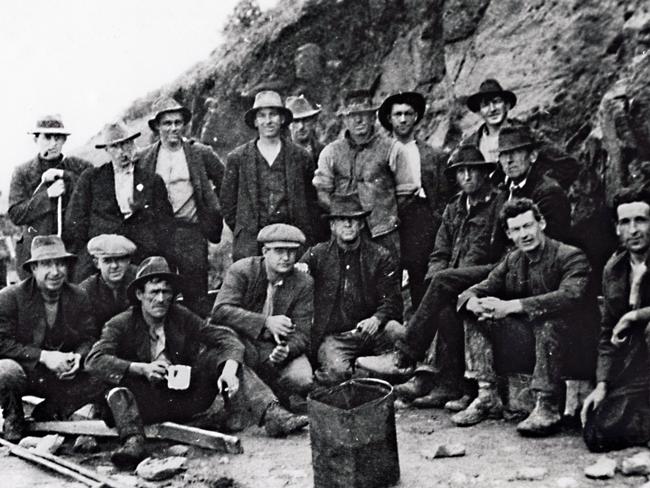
x,y
324,175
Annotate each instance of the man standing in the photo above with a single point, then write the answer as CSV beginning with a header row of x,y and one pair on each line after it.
x,y
616,414
356,293
193,174
267,179
529,299
369,164
40,188
139,349
420,217
46,329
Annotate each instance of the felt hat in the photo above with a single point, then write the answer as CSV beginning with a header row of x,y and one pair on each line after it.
x,y
412,99
152,267
114,133
468,156
515,137
346,206
301,108
267,99
490,88
357,101
47,247
163,105
50,124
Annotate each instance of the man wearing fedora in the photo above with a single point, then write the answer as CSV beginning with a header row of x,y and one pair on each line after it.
x,y
420,217
192,173
138,347
369,164
269,305
357,300
118,197
267,178
41,188
46,329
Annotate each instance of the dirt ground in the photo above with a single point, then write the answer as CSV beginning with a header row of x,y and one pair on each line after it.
x,y
494,454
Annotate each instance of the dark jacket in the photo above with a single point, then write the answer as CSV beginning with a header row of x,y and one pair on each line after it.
x,y
239,194
105,305
22,316
379,275
125,339
434,181
241,299
206,175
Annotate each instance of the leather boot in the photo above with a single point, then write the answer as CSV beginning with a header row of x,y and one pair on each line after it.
x,y
459,404
129,426
394,363
436,398
487,405
12,411
130,453
543,420
416,387
279,422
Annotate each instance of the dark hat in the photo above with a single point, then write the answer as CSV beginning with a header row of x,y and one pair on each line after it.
x,y
357,101
110,246
47,247
267,99
116,132
346,206
152,267
301,108
413,99
468,155
50,124
490,88
163,105
515,137
281,235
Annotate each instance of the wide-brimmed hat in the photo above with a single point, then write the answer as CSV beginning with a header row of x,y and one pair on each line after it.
x,y
163,105
47,247
301,108
153,267
412,99
357,101
50,124
515,137
267,99
110,246
114,133
346,206
490,88
281,235
468,155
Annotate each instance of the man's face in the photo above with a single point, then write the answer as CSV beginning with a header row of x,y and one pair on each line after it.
x,y
121,154
302,130
494,110
360,124
156,298
346,230
171,127
403,117
525,231
268,122
470,179
50,274
516,163
113,269
50,145
280,260
633,226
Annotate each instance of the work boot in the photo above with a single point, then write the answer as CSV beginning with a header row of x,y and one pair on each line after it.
x,y
543,420
436,398
459,404
279,422
14,424
486,406
417,386
394,363
130,453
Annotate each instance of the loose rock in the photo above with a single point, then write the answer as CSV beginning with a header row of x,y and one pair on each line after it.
x,y
178,450
567,482
153,469
602,469
639,464
444,451
50,443
530,473
85,444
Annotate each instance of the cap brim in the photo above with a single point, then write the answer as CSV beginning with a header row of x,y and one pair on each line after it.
x,y
282,244
131,137
62,132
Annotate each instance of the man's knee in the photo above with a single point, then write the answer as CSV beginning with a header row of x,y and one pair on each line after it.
x,y
297,375
12,375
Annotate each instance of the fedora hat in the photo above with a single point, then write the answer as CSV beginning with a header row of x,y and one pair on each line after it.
x,y
346,206
47,247
490,88
357,101
267,99
465,156
301,108
412,99
114,133
152,267
515,137
50,124
163,105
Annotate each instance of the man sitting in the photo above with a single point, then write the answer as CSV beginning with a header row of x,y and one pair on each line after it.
x,y
531,294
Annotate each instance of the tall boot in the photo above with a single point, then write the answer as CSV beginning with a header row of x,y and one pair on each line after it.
x,y
544,419
14,417
129,426
279,422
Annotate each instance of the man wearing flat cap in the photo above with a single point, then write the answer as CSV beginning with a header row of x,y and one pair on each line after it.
x,y
419,217
269,305
46,329
192,173
41,188
267,179
369,164
118,197
143,346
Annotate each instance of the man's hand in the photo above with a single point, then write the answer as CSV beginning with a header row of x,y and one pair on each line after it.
x,y
279,354
619,333
475,305
51,174
280,326
302,267
495,308
228,380
58,362
56,189
592,401
155,372
368,327
74,368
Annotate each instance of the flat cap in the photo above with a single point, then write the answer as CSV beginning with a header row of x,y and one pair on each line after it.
x,y
281,235
110,246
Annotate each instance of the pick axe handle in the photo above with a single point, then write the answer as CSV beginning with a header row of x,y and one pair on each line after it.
x,y
59,215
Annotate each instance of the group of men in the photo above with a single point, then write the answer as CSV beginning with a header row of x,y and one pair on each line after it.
x,y
321,237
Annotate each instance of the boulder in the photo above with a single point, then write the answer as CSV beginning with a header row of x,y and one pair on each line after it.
x,y
156,469
636,465
604,468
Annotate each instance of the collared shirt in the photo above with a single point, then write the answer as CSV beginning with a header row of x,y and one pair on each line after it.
x,y
124,190
415,163
173,169
157,343
515,189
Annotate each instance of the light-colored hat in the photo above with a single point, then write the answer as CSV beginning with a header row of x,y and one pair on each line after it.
x,y
152,267
301,108
267,99
281,235
357,101
47,247
114,133
50,124
110,246
163,105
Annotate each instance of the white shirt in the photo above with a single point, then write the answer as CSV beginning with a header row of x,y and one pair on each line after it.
x,y
172,168
489,147
124,191
415,165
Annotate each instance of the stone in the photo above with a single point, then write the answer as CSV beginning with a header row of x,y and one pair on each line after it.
x,y
444,451
224,460
50,443
156,469
567,482
178,450
85,444
29,442
604,468
530,473
639,464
